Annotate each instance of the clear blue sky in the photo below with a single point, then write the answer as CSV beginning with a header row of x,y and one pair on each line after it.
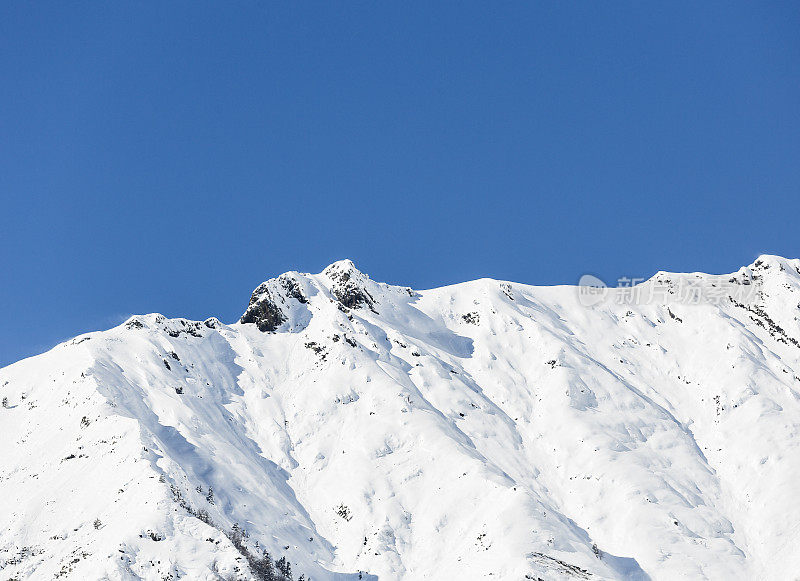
x,y
170,156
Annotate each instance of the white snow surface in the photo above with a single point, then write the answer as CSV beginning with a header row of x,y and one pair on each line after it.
x,y
484,430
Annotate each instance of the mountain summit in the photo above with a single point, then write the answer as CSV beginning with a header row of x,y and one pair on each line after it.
x,y
350,429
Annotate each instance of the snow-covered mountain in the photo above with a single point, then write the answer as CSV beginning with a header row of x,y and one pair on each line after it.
x,y
486,430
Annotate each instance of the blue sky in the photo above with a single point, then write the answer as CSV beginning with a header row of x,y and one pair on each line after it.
x,y
170,156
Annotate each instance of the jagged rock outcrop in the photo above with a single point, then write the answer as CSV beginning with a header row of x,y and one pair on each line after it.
x,y
268,302
349,285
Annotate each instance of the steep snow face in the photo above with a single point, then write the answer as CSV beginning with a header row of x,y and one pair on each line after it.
x,y
363,430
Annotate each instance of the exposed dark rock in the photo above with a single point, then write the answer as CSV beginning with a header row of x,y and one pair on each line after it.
x,y
349,291
353,297
292,289
264,313
318,349
472,318
562,567
266,302
188,327
763,320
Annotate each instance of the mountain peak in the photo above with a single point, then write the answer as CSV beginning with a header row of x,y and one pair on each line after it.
x,y
274,300
343,269
765,261
350,285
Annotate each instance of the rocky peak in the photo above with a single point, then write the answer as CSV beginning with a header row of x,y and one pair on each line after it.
x,y
769,262
349,285
275,302
340,267
271,301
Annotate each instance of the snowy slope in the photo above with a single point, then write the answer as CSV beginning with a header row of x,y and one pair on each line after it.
x,y
485,430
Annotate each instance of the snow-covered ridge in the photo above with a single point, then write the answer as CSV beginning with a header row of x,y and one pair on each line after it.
x,y
278,301
363,430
